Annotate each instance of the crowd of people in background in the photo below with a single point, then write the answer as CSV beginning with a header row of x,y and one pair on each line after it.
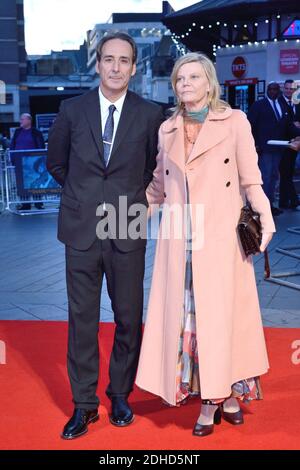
x,y
277,118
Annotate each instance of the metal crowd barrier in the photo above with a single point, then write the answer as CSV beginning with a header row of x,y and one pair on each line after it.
x,y
289,250
43,203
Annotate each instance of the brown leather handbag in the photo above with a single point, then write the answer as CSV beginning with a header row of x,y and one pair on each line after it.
x,y
250,233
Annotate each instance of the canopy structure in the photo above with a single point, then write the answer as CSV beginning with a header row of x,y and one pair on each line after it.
x,y
221,22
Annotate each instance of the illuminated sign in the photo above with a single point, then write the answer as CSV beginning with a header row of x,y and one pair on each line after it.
x,y
289,61
293,29
239,67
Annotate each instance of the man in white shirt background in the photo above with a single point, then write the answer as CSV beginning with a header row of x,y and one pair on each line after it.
x,y
288,198
269,121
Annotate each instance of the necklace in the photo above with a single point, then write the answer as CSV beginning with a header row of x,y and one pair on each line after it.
x,y
187,136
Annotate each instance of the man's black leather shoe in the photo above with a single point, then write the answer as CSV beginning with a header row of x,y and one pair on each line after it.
x,y
78,424
121,413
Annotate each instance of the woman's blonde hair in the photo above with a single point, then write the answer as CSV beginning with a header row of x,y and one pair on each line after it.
x,y
214,101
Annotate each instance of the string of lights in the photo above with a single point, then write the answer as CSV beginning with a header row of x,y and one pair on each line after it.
x,y
177,38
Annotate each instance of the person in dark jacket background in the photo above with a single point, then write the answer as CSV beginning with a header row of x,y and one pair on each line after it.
x,y
27,137
288,198
270,121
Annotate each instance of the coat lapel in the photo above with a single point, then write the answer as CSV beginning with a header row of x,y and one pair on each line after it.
x,y
129,111
174,140
214,130
92,111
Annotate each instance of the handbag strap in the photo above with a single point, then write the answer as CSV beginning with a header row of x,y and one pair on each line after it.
x,y
267,264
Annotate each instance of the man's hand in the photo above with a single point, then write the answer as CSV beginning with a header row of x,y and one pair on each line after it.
x,y
295,144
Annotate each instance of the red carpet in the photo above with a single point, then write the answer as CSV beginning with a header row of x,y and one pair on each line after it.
x,y
35,400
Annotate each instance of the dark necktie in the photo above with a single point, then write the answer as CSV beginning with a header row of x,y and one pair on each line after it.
x,y
108,133
276,111
291,107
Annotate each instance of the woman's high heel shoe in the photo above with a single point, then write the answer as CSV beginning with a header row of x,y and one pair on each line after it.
x,y
233,418
202,430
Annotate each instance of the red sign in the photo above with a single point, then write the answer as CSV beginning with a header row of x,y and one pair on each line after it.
x,y
289,61
238,67
243,81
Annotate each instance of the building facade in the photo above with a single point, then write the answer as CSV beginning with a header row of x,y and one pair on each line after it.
x,y
12,58
156,51
252,43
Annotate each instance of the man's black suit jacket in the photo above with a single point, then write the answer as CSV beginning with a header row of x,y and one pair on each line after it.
x,y
75,160
266,127
294,114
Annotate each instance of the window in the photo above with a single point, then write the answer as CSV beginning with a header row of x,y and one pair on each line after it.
x,y
9,98
6,117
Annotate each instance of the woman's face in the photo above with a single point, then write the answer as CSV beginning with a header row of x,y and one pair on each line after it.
x,y
192,85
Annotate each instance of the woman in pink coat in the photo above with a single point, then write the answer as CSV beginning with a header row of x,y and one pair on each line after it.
x,y
203,334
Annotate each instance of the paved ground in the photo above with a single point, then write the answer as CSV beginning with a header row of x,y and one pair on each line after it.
x,y
32,277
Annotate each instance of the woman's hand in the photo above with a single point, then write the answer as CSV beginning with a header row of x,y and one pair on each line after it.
x,y
266,238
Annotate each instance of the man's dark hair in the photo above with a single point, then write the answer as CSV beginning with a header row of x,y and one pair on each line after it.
x,y
273,84
289,80
117,35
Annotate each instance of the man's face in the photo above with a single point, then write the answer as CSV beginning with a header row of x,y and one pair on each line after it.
x,y
115,67
25,122
289,89
273,91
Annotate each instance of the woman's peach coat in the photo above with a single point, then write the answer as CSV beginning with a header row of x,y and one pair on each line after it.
x,y
230,337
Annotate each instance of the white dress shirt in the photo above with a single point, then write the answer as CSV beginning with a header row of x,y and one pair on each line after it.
x,y
278,107
104,108
292,105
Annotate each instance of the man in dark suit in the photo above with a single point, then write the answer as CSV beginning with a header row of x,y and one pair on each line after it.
x,y
102,148
288,197
269,121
